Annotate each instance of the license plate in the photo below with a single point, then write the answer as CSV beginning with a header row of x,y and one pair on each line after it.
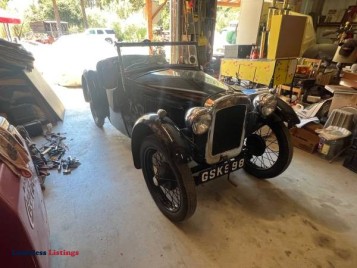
x,y
220,170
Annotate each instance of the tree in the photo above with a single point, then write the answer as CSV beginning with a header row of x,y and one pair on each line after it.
x,y
58,18
69,11
3,3
85,22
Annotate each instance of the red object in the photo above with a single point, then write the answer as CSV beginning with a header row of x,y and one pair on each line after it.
x,y
6,17
254,53
23,224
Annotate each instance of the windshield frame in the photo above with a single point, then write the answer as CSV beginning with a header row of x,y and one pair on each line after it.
x,y
143,67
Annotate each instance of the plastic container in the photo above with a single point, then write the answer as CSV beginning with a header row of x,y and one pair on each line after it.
x,y
328,149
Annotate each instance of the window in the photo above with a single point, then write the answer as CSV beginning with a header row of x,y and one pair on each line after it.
x,y
100,32
109,31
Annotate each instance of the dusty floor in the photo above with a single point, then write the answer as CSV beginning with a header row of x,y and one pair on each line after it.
x,y
307,217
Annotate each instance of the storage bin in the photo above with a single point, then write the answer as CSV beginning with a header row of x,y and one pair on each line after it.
x,y
328,149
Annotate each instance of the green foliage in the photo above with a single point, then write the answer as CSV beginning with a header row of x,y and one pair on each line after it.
x,y
18,30
129,33
3,3
226,15
74,29
122,7
137,4
118,31
69,11
100,13
96,18
134,33
164,14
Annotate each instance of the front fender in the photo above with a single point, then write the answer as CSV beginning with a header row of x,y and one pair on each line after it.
x,y
286,113
167,133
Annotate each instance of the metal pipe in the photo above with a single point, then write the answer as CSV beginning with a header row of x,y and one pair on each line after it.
x,y
285,10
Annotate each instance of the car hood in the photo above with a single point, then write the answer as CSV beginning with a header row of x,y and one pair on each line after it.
x,y
194,84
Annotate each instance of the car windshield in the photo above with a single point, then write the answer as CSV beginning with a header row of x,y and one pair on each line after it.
x,y
145,55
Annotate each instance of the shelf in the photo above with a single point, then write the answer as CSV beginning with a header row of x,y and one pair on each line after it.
x,y
12,82
332,24
329,24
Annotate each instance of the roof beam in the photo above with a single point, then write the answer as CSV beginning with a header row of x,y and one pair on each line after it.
x,y
223,3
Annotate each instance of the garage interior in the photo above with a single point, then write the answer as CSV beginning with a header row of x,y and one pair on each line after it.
x,y
305,217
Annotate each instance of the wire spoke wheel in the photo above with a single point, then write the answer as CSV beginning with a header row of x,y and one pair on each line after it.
x,y
170,184
277,153
271,153
165,181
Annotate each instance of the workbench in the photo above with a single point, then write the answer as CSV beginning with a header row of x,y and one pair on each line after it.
x,y
262,71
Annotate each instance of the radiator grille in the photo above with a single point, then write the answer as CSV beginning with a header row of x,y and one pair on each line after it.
x,y
228,129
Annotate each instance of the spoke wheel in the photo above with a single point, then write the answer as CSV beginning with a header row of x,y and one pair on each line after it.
x,y
170,184
277,154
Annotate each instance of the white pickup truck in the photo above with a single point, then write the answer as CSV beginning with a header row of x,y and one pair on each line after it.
x,y
107,33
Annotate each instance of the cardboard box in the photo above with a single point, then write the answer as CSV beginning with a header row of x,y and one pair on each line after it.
x,y
324,78
305,139
285,36
349,79
312,127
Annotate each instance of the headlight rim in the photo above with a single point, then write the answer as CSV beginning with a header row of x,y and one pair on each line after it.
x,y
193,116
262,101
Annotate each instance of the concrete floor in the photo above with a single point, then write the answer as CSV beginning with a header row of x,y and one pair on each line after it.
x,y
307,217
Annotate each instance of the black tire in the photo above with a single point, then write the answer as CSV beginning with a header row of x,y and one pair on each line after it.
x,y
176,196
85,89
277,155
98,100
97,117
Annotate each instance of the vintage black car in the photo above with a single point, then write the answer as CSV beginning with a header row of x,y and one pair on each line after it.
x,y
186,127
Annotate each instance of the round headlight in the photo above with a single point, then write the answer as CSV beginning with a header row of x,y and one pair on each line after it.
x,y
265,103
198,119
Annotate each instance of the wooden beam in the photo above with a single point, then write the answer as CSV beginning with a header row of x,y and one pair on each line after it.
x,y
158,9
228,3
149,18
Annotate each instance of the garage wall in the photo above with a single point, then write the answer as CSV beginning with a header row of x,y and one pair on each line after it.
x,y
339,5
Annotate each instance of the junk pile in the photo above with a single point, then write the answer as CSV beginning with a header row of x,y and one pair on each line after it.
x,y
54,150
50,155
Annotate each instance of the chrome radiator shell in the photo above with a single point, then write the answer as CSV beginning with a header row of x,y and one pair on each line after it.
x,y
241,102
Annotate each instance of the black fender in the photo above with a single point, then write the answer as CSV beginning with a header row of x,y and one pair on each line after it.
x,y
167,133
285,113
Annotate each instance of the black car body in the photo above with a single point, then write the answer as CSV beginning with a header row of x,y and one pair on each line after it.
x,y
184,123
